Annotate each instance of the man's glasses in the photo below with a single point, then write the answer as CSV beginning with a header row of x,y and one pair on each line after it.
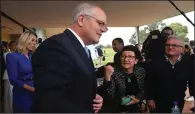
x,y
101,24
173,45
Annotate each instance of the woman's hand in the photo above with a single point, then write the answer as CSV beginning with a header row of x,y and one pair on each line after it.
x,y
29,88
108,72
133,101
32,89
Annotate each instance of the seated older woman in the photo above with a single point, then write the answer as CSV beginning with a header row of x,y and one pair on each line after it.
x,y
124,88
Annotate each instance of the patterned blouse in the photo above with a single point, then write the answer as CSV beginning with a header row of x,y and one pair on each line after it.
x,y
116,88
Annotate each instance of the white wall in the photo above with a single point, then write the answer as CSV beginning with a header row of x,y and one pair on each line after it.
x,y
41,33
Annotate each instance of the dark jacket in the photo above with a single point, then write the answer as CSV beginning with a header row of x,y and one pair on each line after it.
x,y
64,76
117,88
166,83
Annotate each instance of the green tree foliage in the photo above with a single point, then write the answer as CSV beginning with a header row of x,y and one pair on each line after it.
x,y
180,31
154,26
132,40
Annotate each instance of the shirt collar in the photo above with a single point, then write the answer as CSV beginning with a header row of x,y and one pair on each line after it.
x,y
178,59
78,37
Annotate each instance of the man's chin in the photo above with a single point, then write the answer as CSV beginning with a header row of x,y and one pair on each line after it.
x,y
114,50
170,54
96,42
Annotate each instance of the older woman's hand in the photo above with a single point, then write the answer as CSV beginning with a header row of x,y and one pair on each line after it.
x,y
108,72
133,101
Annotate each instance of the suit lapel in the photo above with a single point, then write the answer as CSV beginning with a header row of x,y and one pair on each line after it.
x,y
91,61
82,58
81,54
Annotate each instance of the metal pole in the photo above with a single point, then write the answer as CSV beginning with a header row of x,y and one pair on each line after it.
x,y
182,13
137,35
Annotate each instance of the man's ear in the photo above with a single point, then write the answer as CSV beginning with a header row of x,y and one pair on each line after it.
x,y
80,20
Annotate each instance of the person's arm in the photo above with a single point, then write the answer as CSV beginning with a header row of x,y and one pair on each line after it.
x,y
109,83
149,86
12,70
110,88
29,88
140,75
149,82
191,78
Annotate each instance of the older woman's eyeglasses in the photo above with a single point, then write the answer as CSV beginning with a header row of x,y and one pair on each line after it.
x,y
101,24
128,57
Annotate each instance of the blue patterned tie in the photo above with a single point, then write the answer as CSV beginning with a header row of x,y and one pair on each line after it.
x,y
87,51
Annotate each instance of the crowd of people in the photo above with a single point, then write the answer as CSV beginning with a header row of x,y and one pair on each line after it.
x,y
161,81
58,76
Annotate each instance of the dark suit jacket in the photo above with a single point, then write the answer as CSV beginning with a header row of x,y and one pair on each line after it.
x,y
117,60
63,75
166,83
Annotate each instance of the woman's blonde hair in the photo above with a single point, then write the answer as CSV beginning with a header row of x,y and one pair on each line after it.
x,y
24,40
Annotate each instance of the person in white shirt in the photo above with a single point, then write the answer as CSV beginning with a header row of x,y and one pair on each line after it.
x,y
8,103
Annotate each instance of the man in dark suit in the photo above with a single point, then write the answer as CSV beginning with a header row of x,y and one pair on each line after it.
x,y
64,74
166,80
117,45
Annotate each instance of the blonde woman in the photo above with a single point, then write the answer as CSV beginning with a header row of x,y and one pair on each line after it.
x,y
20,74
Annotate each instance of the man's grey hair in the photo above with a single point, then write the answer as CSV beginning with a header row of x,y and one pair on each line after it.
x,y
177,38
82,8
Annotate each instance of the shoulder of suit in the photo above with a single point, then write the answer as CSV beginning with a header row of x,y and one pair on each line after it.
x,y
53,39
60,35
13,54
